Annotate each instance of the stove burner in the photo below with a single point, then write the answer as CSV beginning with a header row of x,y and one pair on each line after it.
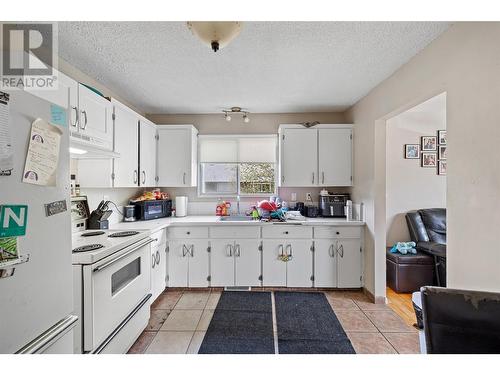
x,y
124,234
96,233
84,248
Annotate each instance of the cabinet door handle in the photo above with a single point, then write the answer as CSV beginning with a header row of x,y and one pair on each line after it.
x,y
340,249
143,177
76,117
153,260
331,252
322,177
135,176
289,253
230,247
184,250
191,250
313,178
84,113
237,250
282,250
184,178
158,257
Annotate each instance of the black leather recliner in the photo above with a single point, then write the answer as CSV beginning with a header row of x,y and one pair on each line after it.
x,y
428,230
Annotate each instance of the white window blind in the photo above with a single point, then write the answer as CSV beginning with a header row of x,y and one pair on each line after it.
x,y
237,165
234,149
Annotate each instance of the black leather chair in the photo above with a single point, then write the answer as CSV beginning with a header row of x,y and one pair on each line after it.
x,y
460,321
428,230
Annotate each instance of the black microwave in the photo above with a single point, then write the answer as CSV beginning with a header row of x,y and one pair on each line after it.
x,y
149,210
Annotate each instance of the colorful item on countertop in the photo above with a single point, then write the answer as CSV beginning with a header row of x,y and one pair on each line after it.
x,y
156,194
255,213
404,248
268,205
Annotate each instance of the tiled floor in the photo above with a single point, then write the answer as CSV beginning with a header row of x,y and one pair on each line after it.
x,y
179,321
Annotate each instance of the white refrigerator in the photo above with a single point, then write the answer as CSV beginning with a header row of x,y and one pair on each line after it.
x,y
36,300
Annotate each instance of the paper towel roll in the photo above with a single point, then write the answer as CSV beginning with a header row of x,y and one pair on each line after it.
x,y
181,204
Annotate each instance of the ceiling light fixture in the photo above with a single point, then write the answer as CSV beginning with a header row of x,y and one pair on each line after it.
x,y
216,35
236,110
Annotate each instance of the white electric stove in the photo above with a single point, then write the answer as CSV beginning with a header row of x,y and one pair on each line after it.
x,y
112,285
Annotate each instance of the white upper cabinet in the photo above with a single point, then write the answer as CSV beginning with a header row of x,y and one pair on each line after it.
x,y
147,151
95,118
65,96
335,157
126,167
319,156
177,156
299,157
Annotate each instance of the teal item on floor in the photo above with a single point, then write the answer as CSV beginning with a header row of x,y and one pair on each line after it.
x,y
404,248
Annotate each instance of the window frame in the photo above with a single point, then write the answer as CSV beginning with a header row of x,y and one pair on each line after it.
x,y
238,163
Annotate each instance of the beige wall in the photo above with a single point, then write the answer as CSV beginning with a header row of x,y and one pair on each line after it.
x,y
464,62
409,186
260,123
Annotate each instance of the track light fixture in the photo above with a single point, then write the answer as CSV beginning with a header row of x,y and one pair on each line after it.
x,y
236,110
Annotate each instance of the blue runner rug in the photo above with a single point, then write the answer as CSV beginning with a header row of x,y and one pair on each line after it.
x,y
242,324
308,325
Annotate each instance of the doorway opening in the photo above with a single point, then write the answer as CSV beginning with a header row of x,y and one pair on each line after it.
x,y
414,186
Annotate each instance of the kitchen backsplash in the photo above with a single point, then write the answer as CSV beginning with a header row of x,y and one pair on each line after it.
x,y
196,205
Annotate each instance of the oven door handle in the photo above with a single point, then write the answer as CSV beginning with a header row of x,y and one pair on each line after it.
x,y
106,265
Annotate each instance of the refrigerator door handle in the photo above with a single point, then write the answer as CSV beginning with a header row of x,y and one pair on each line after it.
x,y
47,338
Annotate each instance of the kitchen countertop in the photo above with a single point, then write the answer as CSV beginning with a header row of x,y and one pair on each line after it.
x,y
210,220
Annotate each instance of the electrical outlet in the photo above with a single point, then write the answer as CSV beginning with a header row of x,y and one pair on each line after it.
x,y
308,197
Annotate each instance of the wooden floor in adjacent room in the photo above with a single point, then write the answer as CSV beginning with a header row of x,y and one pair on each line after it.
x,y
402,305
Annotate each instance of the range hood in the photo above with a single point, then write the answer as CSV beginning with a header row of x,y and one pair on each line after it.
x,y
82,150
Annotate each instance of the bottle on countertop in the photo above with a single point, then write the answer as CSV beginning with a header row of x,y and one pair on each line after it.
x,y
72,185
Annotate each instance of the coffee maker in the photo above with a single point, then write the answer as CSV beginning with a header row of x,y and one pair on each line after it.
x,y
333,205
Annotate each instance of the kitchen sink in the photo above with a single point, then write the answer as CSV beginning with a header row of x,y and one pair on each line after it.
x,y
236,218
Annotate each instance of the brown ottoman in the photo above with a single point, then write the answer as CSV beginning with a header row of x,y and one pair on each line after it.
x,y
407,273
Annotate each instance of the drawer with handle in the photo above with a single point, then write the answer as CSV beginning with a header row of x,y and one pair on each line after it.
x,y
160,237
187,232
337,232
286,231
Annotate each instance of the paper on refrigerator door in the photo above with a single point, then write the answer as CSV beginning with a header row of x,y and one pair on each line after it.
x,y
6,149
43,154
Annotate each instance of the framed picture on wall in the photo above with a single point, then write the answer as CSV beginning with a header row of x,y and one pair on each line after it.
x,y
442,152
412,151
442,137
429,143
442,167
429,159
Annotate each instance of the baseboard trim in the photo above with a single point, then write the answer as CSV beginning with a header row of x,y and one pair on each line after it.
x,y
373,299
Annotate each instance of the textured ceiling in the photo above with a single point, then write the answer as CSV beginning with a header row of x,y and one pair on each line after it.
x,y
160,67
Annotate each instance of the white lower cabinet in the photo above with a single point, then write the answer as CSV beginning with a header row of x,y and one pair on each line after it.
x,y
235,262
158,264
325,264
222,262
274,256
296,272
188,264
273,268
299,269
349,263
337,263
247,262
